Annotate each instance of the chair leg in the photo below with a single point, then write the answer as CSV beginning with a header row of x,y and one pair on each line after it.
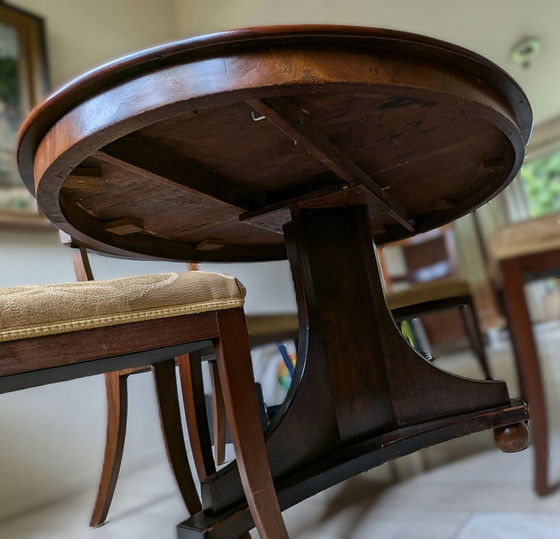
x,y
468,314
170,415
218,416
117,405
190,371
238,386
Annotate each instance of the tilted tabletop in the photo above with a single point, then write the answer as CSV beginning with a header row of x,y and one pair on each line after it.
x,y
199,150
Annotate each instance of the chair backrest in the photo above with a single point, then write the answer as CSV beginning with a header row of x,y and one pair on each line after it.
x,y
81,261
424,258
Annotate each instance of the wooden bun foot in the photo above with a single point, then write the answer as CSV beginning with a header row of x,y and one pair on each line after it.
x,y
512,438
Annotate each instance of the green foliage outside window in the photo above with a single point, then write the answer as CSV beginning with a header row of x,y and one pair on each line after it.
x,y
541,180
9,91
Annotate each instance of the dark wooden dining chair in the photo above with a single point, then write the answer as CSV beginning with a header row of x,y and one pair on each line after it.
x,y
432,286
262,329
58,332
441,295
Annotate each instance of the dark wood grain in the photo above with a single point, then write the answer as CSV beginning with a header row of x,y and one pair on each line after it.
x,y
347,462
170,416
295,123
218,415
92,344
241,404
349,387
145,158
117,396
190,369
382,109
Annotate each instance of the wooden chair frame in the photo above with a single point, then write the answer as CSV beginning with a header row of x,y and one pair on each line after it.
x,y
194,405
467,311
37,361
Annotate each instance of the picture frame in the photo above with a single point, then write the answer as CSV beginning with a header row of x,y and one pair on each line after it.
x,y
23,83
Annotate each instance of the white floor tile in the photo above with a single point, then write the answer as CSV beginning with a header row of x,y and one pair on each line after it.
x,y
510,525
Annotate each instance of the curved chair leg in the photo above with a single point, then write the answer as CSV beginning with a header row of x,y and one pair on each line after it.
x,y
238,386
117,405
468,314
170,415
218,416
190,371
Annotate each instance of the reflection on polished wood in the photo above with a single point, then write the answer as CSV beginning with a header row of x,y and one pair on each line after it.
x,y
311,143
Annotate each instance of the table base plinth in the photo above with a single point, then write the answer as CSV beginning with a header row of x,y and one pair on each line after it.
x,y
351,461
360,395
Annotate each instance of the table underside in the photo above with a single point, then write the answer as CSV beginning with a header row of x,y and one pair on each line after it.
x,y
219,184
205,160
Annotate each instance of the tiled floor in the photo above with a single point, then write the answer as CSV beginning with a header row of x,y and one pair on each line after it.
x,y
486,496
467,490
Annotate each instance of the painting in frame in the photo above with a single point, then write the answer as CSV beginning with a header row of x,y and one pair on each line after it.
x,y
23,82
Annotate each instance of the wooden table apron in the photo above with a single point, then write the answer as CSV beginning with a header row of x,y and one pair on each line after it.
x,y
310,143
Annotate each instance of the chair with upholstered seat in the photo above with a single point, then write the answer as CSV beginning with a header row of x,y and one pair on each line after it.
x,y
53,333
432,284
440,295
262,329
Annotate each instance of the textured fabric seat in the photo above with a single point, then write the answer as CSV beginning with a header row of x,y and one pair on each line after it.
x,y
36,311
430,291
526,237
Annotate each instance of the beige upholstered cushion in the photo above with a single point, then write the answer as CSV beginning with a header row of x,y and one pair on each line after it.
x,y
431,291
526,237
34,311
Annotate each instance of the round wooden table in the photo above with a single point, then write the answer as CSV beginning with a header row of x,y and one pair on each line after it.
x,y
307,142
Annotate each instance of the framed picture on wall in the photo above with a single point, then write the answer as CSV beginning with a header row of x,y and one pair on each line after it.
x,y
23,82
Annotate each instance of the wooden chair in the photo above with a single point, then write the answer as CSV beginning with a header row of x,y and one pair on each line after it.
x,y
440,295
59,332
433,286
262,329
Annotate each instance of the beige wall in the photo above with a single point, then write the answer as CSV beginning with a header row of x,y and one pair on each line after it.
x,y
82,34
214,15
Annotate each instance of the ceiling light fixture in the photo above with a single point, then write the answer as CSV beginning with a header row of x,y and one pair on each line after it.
x,y
525,51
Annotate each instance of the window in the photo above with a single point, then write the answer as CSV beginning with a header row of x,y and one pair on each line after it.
x,y
541,182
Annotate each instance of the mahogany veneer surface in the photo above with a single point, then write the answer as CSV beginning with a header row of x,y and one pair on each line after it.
x,y
204,145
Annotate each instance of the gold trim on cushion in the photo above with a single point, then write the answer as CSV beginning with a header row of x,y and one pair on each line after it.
x,y
34,311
